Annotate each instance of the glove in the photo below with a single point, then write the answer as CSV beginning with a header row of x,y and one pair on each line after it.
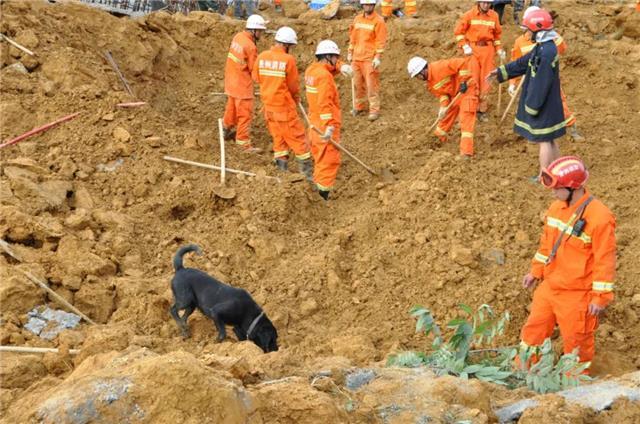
x,y
441,113
328,133
463,87
512,90
466,49
349,56
502,55
376,62
346,70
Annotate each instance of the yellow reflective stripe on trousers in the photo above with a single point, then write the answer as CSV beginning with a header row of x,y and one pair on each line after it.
x,y
280,154
270,73
602,286
439,131
541,131
235,59
567,229
303,156
466,134
483,22
326,116
311,89
243,142
368,27
442,82
540,257
323,188
497,43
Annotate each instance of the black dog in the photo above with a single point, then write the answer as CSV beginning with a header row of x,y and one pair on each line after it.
x,y
224,304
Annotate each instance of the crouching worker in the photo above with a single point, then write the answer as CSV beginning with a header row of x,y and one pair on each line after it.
x,y
445,79
575,263
324,113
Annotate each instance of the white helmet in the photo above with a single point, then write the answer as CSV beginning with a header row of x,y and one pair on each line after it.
x,y
286,35
327,47
529,10
367,1
416,65
256,22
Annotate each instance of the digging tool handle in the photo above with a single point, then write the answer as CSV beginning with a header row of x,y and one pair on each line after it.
x,y
215,168
115,67
17,46
29,349
336,145
499,94
56,296
223,169
455,99
513,99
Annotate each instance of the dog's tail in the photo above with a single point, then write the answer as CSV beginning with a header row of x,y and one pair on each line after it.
x,y
177,259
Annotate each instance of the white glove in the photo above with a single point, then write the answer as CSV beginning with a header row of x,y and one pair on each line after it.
x,y
512,90
349,56
441,113
376,62
502,55
466,49
328,133
346,70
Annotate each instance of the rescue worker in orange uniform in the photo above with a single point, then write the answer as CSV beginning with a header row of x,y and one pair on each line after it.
x,y
410,8
478,33
367,38
524,45
445,79
238,85
324,114
575,263
277,74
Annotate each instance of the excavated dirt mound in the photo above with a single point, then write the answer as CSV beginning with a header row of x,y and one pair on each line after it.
x,y
92,208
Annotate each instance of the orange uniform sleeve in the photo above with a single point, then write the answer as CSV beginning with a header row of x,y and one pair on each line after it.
x,y
381,38
293,80
561,45
325,103
254,72
497,39
541,256
603,242
352,40
252,54
515,55
461,29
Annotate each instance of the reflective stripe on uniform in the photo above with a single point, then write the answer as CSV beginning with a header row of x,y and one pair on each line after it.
x,y
503,72
323,188
464,72
242,142
280,154
326,116
379,50
497,43
466,134
540,131
311,89
602,286
303,156
270,73
409,3
526,49
540,257
386,3
368,27
444,98
459,37
483,22
235,58
530,111
565,228
442,82
440,131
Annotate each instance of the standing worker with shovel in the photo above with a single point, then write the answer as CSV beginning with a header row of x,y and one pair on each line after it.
x,y
324,114
455,83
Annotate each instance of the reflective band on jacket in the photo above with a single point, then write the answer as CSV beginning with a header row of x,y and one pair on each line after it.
x,y
540,257
409,3
442,82
326,116
270,73
565,228
541,131
484,23
497,43
440,131
235,59
311,89
368,27
464,72
459,37
602,286
526,49
503,71
386,3
530,111
444,98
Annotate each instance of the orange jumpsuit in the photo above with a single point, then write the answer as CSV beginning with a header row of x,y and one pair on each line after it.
x,y
581,273
524,45
482,32
443,81
367,37
238,86
410,7
278,77
324,111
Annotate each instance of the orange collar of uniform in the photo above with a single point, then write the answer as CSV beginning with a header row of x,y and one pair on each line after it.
x,y
580,201
480,12
278,49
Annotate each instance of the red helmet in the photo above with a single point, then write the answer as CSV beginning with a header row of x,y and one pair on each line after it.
x,y
565,172
538,20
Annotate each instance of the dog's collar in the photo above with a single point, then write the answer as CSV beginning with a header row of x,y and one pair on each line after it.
x,y
253,324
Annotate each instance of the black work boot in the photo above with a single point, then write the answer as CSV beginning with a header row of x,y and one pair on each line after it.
x,y
306,168
324,194
228,133
282,164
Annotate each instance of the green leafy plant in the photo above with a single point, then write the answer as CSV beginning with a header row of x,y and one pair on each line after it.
x,y
469,352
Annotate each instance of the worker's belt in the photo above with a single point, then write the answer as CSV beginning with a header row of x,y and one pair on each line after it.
x,y
481,43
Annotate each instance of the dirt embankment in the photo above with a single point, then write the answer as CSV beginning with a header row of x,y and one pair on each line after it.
x,y
92,208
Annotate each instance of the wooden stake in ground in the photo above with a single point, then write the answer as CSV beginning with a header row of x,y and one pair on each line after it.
x,y
29,349
216,168
38,130
353,94
513,99
114,65
455,99
223,170
56,296
16,45
333,143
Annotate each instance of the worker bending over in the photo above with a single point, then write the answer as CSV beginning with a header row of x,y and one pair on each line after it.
x,y
277,74
445,80
410,8
238,85
478,33
324,114
367,38
575,263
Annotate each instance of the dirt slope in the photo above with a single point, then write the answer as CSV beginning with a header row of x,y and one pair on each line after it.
x,y
92,207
